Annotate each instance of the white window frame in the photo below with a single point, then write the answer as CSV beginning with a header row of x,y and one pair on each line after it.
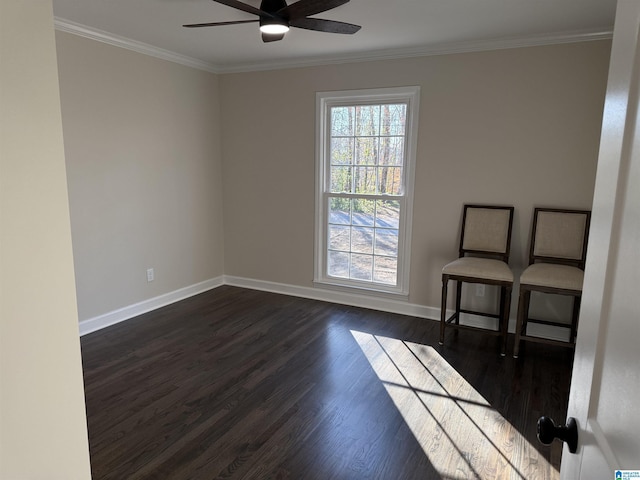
x,y
324,101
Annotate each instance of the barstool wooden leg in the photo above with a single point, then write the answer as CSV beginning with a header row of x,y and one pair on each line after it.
x,y
574,318
505,294
458,301
443,308
523,307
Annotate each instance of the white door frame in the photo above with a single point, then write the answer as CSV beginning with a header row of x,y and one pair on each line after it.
x,y
595,456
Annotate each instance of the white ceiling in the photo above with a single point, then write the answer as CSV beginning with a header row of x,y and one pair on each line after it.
x,y
390,28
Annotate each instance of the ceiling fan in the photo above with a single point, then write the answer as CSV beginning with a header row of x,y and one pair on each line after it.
x,y
275,17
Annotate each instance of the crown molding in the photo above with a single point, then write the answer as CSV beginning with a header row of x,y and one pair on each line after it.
x,y
429,50
605,33
139,47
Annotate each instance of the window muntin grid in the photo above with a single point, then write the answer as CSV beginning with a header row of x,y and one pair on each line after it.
x,y
366,166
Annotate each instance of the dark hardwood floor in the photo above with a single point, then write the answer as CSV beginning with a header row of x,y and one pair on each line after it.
x,y
241,384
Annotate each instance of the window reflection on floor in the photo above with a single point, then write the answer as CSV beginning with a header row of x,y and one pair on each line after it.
x,y
460,432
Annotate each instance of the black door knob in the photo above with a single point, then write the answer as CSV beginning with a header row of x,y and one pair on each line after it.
x,y
547,431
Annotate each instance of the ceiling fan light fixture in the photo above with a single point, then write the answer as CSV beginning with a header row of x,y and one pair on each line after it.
x,y
273,26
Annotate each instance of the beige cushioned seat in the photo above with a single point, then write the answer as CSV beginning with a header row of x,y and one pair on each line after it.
x,y
557,254
485,242
554,276
479,268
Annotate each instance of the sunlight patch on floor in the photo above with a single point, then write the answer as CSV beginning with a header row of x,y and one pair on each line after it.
x,y
459,431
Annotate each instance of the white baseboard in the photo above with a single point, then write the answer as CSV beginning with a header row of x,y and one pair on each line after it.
x,y
386,304
382,303
126,313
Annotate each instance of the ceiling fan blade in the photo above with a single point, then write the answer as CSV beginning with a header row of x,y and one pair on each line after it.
x,y
215,24
272,37
244,7
321,25
305,8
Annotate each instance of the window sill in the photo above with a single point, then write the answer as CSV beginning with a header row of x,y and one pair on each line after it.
x,y
365,290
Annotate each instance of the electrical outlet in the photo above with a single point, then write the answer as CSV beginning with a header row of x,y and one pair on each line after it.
x,y
479,290
150,275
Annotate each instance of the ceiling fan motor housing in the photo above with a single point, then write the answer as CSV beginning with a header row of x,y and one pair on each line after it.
x,y
273,6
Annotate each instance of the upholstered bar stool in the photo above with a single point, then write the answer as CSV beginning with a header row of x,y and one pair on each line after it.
x,y
484,255
557,255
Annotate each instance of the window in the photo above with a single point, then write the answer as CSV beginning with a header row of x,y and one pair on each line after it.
x,y
366,143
